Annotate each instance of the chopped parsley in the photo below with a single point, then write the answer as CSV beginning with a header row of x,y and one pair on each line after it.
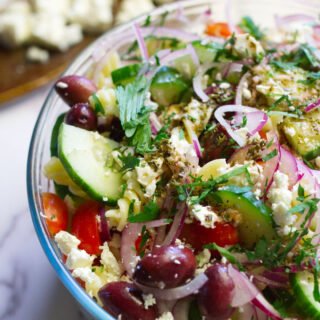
x,y
270,155
129,162
150,212
312,77
98,107
248,25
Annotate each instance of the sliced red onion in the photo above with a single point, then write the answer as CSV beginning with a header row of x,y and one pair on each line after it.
x,y
255,120
231,67
174,55
254,123
312,106
180,15
104,228
271,165
229,19
279,277
270,283
260,302
155,123
244,291
188,289
128,238
240,88
169,32
141,43
282,21
181,309
249,312
177,224
197,82
307,175
288,165
196,145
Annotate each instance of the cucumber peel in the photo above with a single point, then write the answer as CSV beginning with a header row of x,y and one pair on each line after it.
x,y
84,154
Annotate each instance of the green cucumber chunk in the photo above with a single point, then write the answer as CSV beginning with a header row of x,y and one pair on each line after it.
x,y
125,75
206,52
303,284
303,134
84,154
168,86
55,134
60,190
256,221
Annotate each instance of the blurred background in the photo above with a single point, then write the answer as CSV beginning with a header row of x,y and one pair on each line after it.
x,y
38,39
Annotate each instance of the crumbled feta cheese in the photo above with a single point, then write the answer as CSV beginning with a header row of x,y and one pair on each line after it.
x,y
59,7
280,198
79,259
149,300
166,316
247,45
147,177
203,257
66,241
93,15
109,261
129,9
36,54
205,215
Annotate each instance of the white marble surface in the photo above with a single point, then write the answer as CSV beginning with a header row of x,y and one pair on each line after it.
x,y
29,287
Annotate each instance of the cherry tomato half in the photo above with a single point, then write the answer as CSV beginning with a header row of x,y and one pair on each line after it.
x,y
218,29
86,228
223,234
56,213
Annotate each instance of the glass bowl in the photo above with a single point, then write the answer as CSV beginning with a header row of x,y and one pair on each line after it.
x,y
262,11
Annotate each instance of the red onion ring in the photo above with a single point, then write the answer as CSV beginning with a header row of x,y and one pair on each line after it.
x,y
103,226
177,224
244,291
240,88
312,106
253,127
129,236
155,123
179,292
169,32
260,302
196,145
140,40
196,81
288,165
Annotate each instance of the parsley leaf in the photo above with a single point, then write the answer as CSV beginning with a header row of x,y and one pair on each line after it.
x,y
129,162
316,293
145,236
312,77
98,107
134,116
225,253
248,25
150,212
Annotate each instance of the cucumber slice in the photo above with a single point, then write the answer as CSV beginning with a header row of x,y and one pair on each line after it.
x,y
55,134
168,86
125,75
206,52
256,219
84,154
302,284
303,134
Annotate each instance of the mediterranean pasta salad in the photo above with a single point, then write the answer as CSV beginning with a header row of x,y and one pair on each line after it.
x,y
186,172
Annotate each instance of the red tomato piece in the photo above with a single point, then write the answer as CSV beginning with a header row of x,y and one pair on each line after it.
x,y
86,228
56,213
218,29
223,234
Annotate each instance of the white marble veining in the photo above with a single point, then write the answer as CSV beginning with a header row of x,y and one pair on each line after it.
x,y
29,287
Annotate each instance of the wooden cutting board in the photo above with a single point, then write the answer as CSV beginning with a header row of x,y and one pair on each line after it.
x,y
18,76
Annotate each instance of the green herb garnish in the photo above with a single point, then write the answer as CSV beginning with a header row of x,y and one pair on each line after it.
x,y
248,25
150,212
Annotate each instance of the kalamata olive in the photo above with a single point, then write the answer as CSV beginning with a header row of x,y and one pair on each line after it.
x,y
216,144
123,298
215,296
166,267
82,115
111,124
74,89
